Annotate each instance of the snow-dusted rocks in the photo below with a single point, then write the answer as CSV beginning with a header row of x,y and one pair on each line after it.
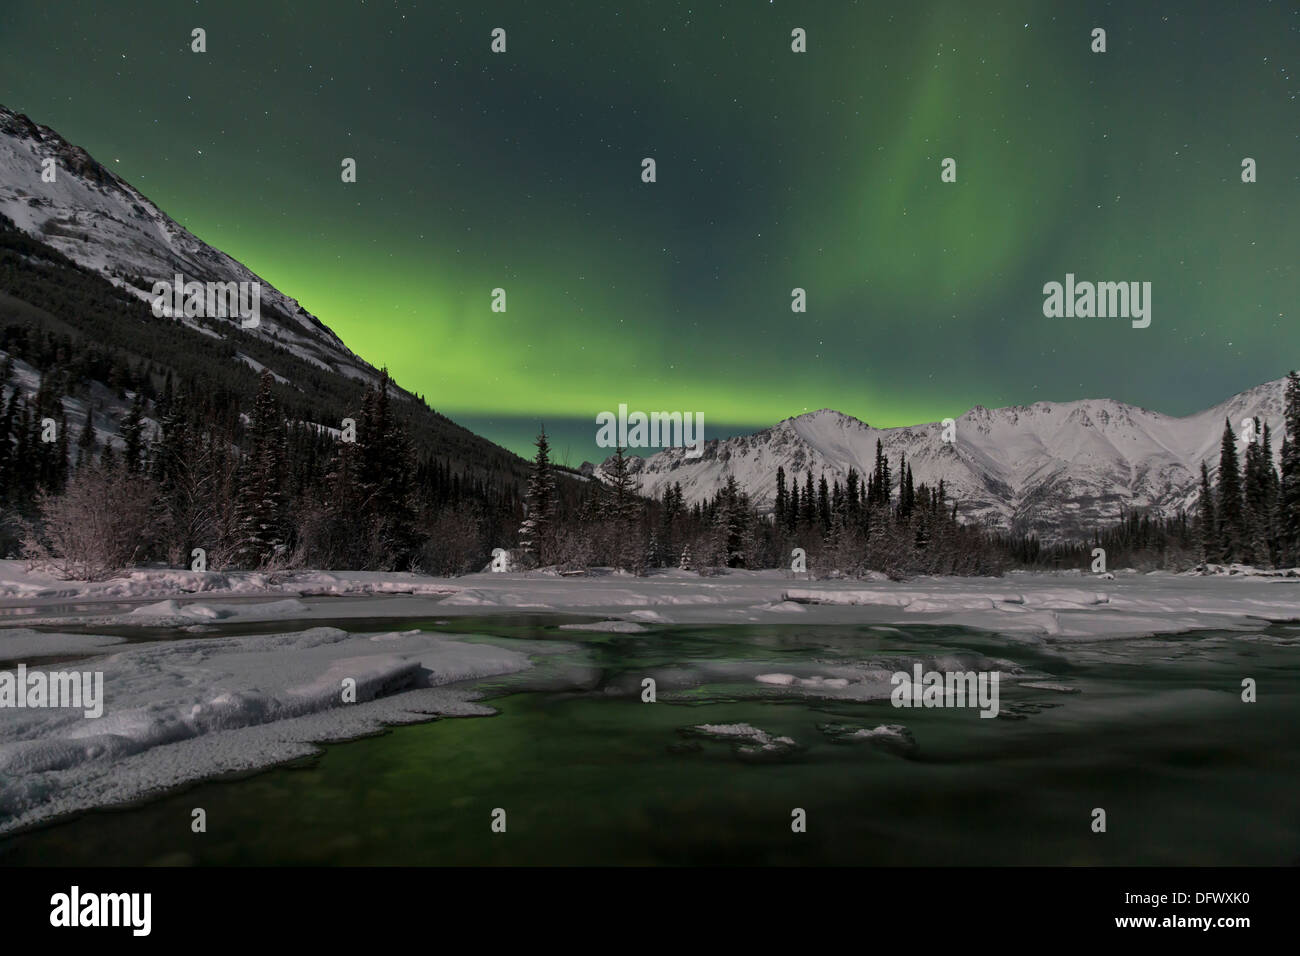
x,y
747,741
893,738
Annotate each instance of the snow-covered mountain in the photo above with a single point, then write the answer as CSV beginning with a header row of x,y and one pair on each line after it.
x,y
92,246
1059,469
101,222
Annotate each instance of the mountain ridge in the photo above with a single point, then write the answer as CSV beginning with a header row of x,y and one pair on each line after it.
x,y
1060,469
100,221
105,244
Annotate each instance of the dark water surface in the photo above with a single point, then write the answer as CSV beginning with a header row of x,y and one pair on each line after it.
x,y
1153,731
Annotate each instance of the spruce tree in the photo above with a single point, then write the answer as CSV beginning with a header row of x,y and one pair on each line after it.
x,y
386,474
535,533
1269,494
261,520
852,493
621,504
8,465
620,508
882,484
86,439
1229,504
1208,520
808,516
24,475
1288,517
823,505
1259,499
133,434
779,507
343,543
672,511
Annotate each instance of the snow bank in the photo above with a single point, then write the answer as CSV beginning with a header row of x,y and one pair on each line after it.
x,y
781,607
172,613
182,710
1244,570
651,617
22,644
18,581
1021,606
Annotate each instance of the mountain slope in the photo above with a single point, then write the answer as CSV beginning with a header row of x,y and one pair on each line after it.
x,y
99,221
1059,469
79,259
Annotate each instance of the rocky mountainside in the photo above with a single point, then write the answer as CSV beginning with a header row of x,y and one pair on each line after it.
x,y
79,256
99,221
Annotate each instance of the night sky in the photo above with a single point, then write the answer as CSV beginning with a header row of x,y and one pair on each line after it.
x,y
775,170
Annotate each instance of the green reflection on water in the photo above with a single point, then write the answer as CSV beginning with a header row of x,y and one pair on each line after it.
x,y
588,774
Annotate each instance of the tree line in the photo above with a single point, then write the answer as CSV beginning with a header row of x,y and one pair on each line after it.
x,y
886,522
256,490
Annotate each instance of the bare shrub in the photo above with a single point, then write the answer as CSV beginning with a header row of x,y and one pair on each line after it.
x,y
573,549
96,528
454,544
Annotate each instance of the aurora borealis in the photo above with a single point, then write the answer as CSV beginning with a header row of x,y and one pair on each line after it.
x,y
775,170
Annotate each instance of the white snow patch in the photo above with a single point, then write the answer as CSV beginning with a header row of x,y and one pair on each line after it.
x,y
650,617
1021,607
1048,685
782,607
21,643
172,612
787,680
182,710
759,741
884,730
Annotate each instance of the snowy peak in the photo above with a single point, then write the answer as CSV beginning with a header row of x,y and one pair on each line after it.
x,y
101,222
1058,469
72,158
